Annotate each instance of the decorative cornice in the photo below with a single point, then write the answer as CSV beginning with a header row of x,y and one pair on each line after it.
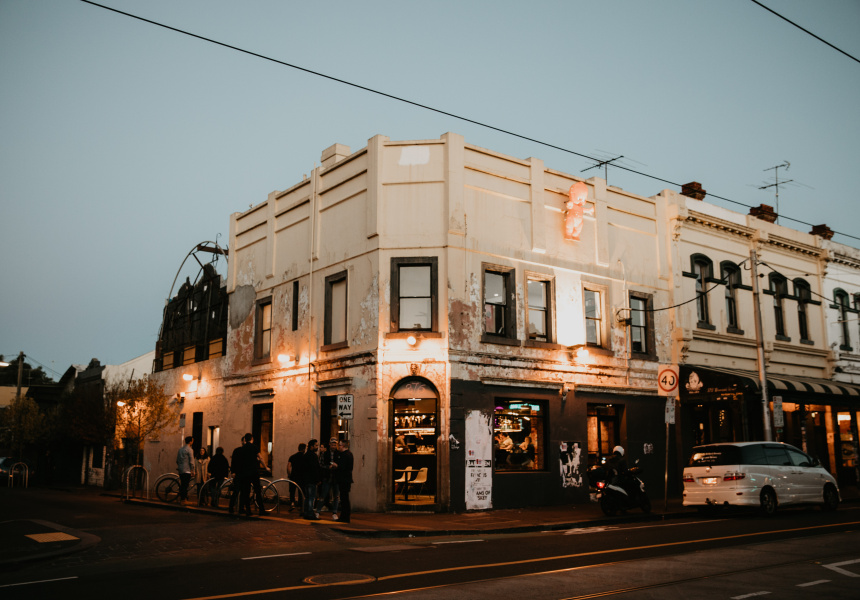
x,y
721,224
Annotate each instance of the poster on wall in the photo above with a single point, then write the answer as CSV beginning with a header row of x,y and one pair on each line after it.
x,y
479,461
569,464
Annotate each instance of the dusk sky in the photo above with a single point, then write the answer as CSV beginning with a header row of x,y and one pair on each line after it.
x,y
124,144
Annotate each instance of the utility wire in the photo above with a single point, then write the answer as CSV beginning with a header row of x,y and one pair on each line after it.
x,y
787,20
427,107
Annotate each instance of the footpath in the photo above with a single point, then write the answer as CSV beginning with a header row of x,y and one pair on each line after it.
x,y
26,540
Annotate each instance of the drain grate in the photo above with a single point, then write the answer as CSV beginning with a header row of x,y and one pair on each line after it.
x,y
339,578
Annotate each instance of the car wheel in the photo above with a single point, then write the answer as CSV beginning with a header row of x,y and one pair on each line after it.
x,y
831,498
768,502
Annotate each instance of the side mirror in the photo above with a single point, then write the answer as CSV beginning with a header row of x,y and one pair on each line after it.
x,y
815,462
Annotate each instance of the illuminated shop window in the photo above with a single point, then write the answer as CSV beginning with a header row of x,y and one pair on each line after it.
x,y
519,435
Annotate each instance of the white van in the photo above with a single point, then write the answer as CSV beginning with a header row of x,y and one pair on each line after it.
x,y
764,474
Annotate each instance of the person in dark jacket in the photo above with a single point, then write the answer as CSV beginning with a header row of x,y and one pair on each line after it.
x,y
312,473
219,469
343,464
328,485
245,466
295,473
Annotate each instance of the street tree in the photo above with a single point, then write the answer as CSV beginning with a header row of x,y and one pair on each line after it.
x,y
22,425
144,411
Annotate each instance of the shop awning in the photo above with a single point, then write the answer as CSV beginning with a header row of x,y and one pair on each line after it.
x,y
777,382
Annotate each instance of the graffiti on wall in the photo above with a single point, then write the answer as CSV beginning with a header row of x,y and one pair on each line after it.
x,y
569,464
479,461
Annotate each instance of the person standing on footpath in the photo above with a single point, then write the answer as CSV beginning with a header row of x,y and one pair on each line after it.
x,y
312,473
295,467
343,464
218,469
202,471
246,466
186,468
328,483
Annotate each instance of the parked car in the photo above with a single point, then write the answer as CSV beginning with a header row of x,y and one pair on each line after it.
x,y
762,474
6,464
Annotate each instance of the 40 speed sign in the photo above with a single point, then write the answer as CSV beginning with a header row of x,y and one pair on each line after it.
x,y
667,380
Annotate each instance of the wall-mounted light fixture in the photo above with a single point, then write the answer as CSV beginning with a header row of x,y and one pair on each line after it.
x,y
411,340
192,380
580,352
120,403
285,359
188,377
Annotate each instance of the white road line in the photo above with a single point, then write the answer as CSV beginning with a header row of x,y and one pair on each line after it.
x,y
835,567
41,581
811,583
458,542
274,555
750,595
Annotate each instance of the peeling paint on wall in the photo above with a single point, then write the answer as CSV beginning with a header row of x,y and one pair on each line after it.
x,y
241,304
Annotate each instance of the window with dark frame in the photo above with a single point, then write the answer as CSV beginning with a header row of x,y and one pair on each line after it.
x,y
803,293
840,298
414,294
639,325
593,302
731,276
519,435
295,315
540,310
779,288
703,270
263,329
335,310
499,303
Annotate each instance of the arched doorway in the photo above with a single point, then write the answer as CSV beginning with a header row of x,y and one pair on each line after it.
x,y
414,420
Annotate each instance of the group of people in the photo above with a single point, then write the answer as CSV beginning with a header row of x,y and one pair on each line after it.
x,y
325,477
507,451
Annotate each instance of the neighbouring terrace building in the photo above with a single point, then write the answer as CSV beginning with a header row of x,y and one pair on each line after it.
x,y
483,329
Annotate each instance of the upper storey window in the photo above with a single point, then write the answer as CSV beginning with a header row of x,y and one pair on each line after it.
x,y
703,270
779,289
414,296
499,304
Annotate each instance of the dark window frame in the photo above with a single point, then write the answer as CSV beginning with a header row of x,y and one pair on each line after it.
x,y
730,273
803,294
549,310
509,314
601,292
841,304
414,261
778,286
648,327
295,306
330,282
702,269
263,354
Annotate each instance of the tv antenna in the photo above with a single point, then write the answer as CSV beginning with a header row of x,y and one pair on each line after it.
x,y
777,183
605,162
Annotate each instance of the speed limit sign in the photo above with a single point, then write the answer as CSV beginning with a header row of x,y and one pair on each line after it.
x,y
667,380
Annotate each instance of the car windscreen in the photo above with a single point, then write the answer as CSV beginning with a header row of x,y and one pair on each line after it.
x,y
714,456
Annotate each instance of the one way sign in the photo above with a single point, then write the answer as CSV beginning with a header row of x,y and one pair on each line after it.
x,y
344,406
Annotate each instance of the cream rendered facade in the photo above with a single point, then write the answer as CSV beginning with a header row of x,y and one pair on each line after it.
x,y
467,211
842,281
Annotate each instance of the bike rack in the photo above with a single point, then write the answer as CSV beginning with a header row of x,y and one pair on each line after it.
x,y
25,470
127,478
287,481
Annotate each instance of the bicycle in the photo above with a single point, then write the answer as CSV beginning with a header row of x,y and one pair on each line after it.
x,y
167,488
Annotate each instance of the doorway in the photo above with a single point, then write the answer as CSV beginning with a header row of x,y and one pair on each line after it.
x,y
415,424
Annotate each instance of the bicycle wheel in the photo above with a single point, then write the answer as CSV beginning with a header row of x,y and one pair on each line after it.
x,y
204,493
225,493
167,489
270,498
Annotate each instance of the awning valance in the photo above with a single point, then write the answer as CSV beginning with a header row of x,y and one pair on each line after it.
x,y
720,380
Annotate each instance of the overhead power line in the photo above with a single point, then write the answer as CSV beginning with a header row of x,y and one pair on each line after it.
x,y
787,20
427,107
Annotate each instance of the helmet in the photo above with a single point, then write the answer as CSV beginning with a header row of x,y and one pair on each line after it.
x,y
619,450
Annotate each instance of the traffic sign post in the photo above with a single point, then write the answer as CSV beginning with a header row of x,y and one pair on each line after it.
x,y
668,377
344,406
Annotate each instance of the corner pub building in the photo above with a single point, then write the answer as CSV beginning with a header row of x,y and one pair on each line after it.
x,y
475,308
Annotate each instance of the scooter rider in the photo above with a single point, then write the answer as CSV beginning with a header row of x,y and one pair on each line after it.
x,y
617,466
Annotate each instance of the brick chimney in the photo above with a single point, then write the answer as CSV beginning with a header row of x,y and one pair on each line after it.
x,y
822,231
764,212
334,154
693,190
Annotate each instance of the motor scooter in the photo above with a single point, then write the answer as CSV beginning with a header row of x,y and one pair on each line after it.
x,y
621,493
